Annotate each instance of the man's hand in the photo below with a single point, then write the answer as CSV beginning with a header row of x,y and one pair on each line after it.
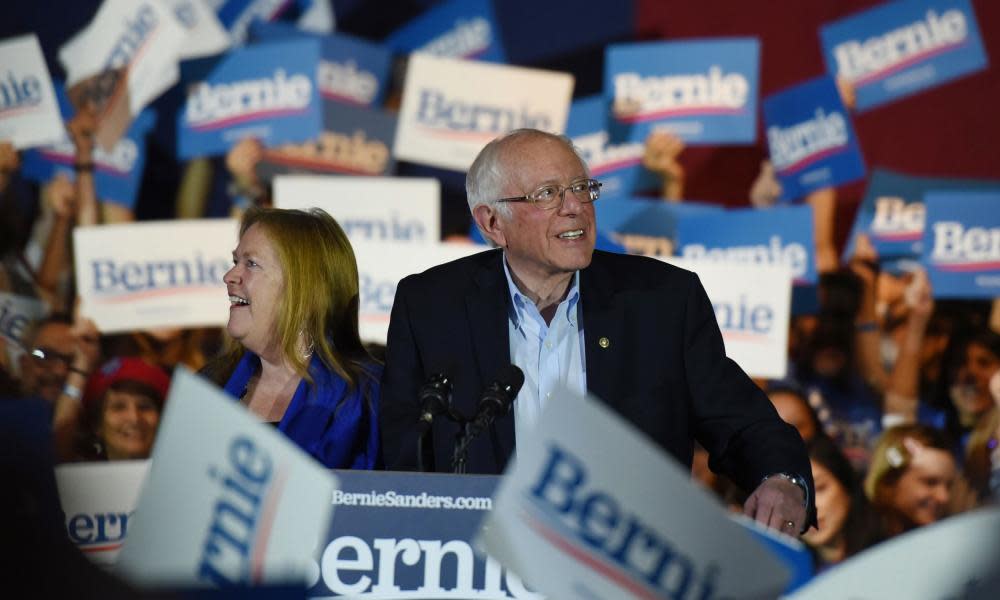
x,y
766,189
779,504
81,130
60,195
242,159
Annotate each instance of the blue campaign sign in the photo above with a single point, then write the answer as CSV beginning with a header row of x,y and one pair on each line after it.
x,y
903,48
810,138
962,243
267,91
779,235
645,226
617,165
117,174
354,141
892,213
408,535
456,29
704,91
351,70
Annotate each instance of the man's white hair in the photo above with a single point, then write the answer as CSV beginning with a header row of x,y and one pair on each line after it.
x,y
485,180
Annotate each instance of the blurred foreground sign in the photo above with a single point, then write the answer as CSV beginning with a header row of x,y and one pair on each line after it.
x,y
154,274
956,558
229,500
574,523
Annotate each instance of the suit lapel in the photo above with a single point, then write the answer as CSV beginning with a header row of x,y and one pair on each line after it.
x,y
487,305
603,323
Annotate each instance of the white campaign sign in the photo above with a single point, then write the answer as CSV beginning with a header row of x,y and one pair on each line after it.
x,y
228,501
205,34
17,313
375,209
143,37
452,108
753,307
381,266
572,521
29,112
99,501
955,558
154,274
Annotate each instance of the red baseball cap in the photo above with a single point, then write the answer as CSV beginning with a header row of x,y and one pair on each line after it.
x,y
126,368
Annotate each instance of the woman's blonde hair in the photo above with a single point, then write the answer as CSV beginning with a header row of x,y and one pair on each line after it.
x,y
893,455
320,298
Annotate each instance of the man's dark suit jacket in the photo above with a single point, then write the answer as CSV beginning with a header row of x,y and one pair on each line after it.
x,y
664,370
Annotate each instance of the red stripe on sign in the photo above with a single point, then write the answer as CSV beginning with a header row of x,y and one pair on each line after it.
x,y
970,266
811,159
899,236
315,163
682,112
582,556
266,522
161,292
265,114
878,75
614,166
461,135
108,547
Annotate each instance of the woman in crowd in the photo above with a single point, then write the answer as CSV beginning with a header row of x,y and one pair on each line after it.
x,y
975,394
295,357
122,406
847,523
911,478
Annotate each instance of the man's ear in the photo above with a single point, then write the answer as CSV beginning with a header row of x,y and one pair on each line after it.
x,y
490,224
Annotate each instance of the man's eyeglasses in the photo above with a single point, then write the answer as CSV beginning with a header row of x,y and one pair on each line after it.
x,y
550,196
49,356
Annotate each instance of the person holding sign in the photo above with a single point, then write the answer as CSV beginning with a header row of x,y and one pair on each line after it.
x,y
636,332
294,357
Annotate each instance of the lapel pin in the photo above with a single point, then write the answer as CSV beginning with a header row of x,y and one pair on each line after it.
x,y
603,342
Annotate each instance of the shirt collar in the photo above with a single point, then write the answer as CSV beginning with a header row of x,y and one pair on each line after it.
x,y
520,302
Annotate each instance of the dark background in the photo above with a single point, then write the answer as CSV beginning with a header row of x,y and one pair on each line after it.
x,y
948,131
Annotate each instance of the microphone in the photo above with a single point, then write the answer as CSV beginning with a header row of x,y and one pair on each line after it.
x,y
498,397
496,401
435,399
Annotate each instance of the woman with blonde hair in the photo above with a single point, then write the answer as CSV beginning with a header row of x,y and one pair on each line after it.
x,y
911,478
295,357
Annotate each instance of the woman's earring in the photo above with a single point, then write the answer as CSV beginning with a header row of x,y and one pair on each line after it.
x,y
308,351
